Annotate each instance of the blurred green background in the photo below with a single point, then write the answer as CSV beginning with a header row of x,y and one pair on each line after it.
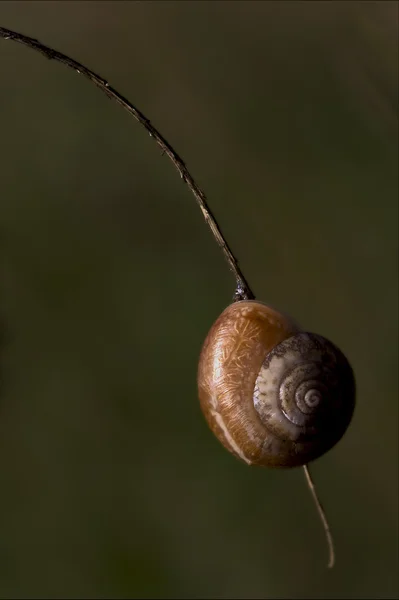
x,y
286,114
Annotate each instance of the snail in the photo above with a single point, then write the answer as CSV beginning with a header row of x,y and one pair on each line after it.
x,y
273,395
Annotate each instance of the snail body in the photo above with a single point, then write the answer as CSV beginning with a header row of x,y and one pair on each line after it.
x,y
272,394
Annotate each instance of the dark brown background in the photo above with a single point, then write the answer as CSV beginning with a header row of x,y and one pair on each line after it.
x,y
286,113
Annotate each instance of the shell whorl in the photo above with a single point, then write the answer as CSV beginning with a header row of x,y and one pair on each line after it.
x,y
304,396
273,395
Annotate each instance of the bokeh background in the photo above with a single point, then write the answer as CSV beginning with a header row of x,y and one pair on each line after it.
x,y
286,114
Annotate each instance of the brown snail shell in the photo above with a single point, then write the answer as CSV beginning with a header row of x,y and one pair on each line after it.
x,y
271,393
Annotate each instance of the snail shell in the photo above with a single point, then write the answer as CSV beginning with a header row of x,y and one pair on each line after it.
x,y
271,393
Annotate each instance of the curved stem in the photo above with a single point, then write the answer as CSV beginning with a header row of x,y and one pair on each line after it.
x,y
243,291
322,514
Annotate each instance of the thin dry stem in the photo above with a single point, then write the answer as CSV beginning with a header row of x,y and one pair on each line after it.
x,y
322,514
243,290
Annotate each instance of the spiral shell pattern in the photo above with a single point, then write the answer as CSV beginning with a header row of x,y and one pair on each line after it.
x,y
304,395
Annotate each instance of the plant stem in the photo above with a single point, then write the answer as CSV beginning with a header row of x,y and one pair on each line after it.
x,y
322,514
243,291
